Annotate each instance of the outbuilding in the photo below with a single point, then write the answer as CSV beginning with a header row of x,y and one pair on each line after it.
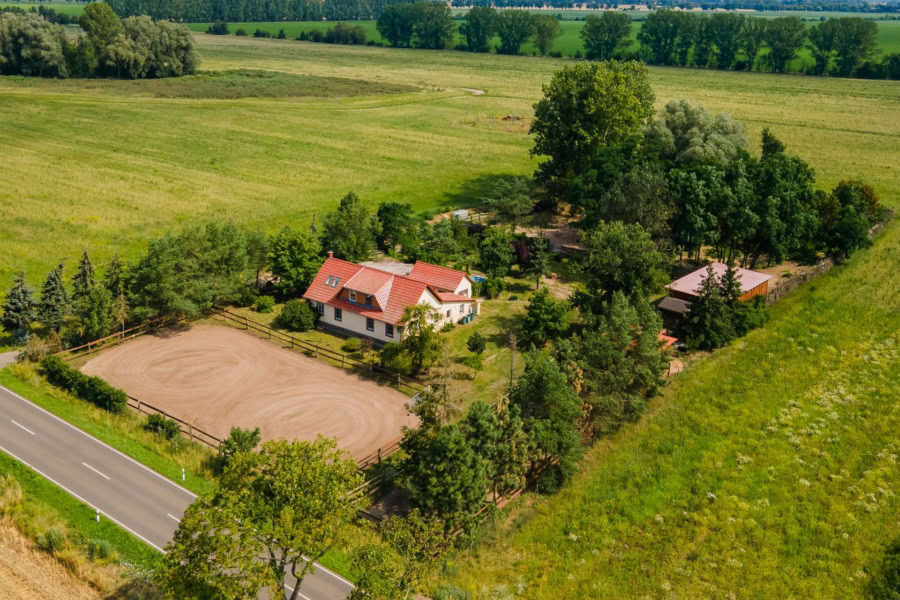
x,y
753,283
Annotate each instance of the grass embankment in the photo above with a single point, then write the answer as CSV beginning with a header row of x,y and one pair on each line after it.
x,y
768,470
45,507
123,432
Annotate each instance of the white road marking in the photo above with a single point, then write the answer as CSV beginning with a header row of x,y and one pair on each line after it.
x,y
173,517
21,426
90,437
80,499
95,470
332,573
298,593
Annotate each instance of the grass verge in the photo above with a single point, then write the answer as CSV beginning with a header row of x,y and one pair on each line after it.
x,y
123,432
45,505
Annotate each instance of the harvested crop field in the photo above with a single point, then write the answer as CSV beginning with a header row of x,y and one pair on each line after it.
x,y
218,377
29,574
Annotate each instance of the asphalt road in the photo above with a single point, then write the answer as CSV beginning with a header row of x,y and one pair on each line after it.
x,y
123,490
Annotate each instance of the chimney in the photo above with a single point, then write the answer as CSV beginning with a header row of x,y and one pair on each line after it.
x,y
330,254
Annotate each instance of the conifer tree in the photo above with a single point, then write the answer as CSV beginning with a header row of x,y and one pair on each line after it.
x,y
84,279
54,304
114,277
19,309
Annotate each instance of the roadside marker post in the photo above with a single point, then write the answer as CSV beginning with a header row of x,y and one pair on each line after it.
x,y
98,514
182,473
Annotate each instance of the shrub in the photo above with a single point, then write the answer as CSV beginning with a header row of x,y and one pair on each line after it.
x,y
11,494
282,35
303,36
162,426
53,540
265,304
99,550
395,358
578,55
448,326
259,33
36,348
493,287
92,389
297,315
352,345
218,28
316,35
451,592
240,31
247,295
31,46
885,582
476,343
474,362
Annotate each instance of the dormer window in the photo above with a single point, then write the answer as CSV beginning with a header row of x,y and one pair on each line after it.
x,y
368,300
351,295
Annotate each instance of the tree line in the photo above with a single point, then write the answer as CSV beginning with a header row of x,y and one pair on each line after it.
x,y
238,11
133,48
842,46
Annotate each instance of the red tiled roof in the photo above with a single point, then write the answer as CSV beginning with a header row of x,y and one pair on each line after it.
x,y
333,267
450,297
667,340
368,280
438,277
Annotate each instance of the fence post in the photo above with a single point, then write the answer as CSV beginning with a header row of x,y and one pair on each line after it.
x,y
139,406
191,431
379,456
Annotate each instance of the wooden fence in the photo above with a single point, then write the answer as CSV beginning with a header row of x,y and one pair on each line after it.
x,y
116,338
194,433
337,358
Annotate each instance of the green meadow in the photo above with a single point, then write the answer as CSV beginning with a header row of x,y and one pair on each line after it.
x,y
768,469
888,38
69,8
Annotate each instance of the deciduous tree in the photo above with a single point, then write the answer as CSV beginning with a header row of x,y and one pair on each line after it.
x,y
514,28
546,30
349,231
606,36
295,258
272,512
479,27
496,254
784,36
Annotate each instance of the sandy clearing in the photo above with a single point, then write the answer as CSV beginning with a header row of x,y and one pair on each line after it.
x,y
218,377
29,574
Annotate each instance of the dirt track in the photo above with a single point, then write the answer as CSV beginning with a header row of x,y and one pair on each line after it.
x,y
218,377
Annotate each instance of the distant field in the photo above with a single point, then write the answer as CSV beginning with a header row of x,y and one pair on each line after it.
x,y
87,165
70,8
568,43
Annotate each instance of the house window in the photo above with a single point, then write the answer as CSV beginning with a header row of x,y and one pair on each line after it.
x,y
370,324
329,280
388,330
462,308
352,295
320,308
369,300
449,311
464,293
336,281
338,314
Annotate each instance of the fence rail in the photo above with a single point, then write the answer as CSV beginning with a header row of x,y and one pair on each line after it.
x,y
194,433
116,338
320,352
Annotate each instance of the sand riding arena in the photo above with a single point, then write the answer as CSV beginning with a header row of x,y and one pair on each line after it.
x,y
218,377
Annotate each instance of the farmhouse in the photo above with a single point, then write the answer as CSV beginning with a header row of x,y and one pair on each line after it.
x,y
366,301
683,291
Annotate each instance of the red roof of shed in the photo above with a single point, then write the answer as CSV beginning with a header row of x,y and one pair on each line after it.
x,y
442,278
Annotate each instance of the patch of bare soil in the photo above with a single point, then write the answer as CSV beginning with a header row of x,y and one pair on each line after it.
x,y
560,231
217,378
27,573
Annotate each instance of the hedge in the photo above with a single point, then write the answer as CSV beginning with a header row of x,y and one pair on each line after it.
x,y
93,389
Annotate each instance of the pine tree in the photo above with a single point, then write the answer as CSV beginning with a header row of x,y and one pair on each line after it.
x,y
84,280
120,311
19,309
731,286
54,304
114,277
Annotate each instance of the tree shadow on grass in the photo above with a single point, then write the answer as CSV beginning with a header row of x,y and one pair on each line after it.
x,y
472,192
505,324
